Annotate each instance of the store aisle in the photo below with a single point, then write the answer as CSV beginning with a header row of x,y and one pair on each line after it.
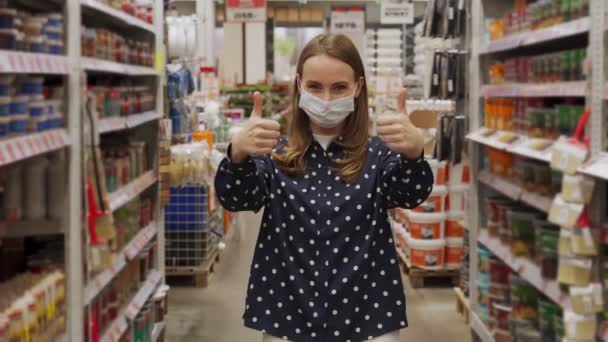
x,y
214,314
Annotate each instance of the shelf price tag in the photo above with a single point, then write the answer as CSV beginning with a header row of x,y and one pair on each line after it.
x,y
564,214
568,157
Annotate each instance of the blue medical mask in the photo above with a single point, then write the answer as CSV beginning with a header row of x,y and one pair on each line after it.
x,y
327,114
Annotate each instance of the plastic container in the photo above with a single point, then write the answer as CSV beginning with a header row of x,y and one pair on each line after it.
x,y
434,203
36,124
37,109
6,85
54,33
31,86
55,47
426,226
8,39
522,232
493,214
35,44
484,294
7,18
484,258
454,251
4,126
18,104
427,254
457,197
500,292
5,105
504,227
55,19
18,124
499,272
453,228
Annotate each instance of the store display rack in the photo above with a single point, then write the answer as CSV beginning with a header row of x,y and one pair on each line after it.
x,y
25,62
593,91
80,291
128,253
515,192
20,148
110,12
527,90
120,325
526,269
572,28
480,328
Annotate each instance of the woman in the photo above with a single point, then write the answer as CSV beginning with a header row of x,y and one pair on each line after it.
x,y
325,265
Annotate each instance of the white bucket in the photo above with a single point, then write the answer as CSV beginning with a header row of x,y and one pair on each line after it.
x,y
457,196
453,228
426,226
427,254
454,250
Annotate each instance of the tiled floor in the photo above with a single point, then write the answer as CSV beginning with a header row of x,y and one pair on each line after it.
x,y
214,314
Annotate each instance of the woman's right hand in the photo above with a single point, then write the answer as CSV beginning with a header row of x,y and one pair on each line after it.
x,y
259,136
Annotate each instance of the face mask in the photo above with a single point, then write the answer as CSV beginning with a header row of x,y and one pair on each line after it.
x,y
327,114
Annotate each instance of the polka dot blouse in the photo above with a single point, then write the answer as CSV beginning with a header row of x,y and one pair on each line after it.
x,y
325,266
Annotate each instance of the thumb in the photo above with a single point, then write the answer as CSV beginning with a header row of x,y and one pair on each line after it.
x,y
401,99
258,105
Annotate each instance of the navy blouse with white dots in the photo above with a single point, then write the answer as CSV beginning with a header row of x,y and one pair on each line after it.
x,y
325,266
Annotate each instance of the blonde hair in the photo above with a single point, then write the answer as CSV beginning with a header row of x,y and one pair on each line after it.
x,y
355,131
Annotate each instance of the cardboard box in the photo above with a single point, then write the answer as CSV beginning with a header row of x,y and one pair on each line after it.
x,y
280,13
305,14
317,14
293,14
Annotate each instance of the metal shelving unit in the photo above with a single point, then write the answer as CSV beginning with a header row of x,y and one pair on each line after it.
x,y
80,290
594,90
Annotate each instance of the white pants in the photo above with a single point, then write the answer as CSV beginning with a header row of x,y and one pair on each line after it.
x,y
390,337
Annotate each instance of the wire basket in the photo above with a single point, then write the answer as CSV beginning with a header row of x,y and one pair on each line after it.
x,y
191,232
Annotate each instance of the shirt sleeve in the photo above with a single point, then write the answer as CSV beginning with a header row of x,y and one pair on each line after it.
x,y
406,183
243,186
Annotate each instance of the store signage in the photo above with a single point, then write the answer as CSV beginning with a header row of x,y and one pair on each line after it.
x,y
345,21
246,11
397,12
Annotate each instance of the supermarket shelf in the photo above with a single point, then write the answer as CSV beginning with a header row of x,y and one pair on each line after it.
x,y
31,228
560,31
127,193
130,251
527,269
597,167
119,326
61,338
113,124
521,146
501,185
515,192
480,328
27,146
529,90
101,65
108,125
15,62
117,14
143,294
158,329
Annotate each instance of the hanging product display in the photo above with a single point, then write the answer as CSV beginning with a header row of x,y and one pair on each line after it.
x,y
445,19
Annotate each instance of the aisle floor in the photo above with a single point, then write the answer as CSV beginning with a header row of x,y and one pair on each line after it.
x,y
214,314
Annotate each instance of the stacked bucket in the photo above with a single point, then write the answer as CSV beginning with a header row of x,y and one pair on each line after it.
x,y
433,235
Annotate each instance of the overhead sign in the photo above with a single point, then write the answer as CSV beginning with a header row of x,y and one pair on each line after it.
x,y
345,21
246,11
397,12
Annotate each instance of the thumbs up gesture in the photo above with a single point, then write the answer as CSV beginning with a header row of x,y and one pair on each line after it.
x,y
258,137
399,133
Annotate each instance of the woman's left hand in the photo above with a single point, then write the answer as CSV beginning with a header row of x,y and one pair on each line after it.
x,y
399,133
